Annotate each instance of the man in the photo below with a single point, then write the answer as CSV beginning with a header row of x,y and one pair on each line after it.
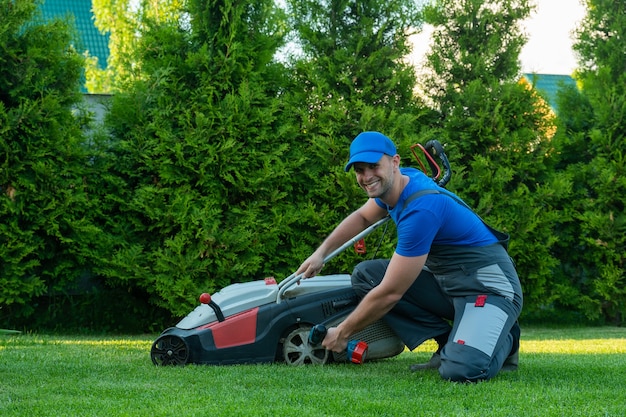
x,y
450,278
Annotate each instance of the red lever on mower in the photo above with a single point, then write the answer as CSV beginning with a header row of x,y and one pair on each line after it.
x,y
205,298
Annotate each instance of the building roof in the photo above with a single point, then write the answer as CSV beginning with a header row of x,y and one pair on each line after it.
x,y
92,41
549,84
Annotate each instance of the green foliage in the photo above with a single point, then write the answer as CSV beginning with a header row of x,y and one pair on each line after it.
x,y
223,168
350,77
203,161
92,308
592,145
473,40
43,166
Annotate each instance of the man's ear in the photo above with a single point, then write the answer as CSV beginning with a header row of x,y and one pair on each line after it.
x,y
396,161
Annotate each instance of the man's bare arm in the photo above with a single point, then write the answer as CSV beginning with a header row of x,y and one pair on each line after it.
x,y
355,223
401,273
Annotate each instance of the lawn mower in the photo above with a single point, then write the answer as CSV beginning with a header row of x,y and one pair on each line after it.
x,y
265,321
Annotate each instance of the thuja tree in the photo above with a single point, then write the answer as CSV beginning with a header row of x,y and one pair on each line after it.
x,y
44,230
349,76
204,164
592,140
496,130
123,20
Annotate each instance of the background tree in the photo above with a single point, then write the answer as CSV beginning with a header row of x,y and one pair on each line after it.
x,y
350,76
45,229
203,161
496,130
592,143
123,21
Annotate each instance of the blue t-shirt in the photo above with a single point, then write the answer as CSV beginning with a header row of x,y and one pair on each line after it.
x,y
433,219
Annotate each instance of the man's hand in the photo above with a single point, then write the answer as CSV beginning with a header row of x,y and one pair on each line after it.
x,y
400,275
346,230
312,266
334,341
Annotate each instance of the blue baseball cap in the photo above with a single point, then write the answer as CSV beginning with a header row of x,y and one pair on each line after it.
x,y
369,147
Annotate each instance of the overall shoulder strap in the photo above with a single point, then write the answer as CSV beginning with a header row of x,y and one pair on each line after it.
x,y
503,238
418,194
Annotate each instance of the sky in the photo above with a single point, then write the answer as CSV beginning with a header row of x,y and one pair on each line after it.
x,y
549,46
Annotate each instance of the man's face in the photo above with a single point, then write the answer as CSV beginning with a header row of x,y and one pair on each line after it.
x,y
375,179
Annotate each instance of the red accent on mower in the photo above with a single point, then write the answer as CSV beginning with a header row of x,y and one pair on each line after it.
x,y
359,247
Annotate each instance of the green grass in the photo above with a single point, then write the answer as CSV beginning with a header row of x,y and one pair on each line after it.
x,y
563,372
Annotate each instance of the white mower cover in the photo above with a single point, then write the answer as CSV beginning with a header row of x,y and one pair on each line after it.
x,y
236,298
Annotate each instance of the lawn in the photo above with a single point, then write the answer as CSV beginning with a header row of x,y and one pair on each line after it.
x,y
563,372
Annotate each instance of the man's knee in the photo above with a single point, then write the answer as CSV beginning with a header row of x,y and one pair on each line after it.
x,y
461,372
464,364
367,275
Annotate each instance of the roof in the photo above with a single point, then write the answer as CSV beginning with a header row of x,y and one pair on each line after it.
x,y
550,84
92,41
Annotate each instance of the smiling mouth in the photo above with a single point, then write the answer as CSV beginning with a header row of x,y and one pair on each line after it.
x,y
371,185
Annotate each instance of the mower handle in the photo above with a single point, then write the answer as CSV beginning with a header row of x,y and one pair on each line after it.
x,y
294,279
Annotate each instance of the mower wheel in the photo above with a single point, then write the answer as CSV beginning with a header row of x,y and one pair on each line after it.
x,y
298,351
169,350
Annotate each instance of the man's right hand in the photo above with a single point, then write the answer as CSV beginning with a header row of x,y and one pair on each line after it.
x,y
312,266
